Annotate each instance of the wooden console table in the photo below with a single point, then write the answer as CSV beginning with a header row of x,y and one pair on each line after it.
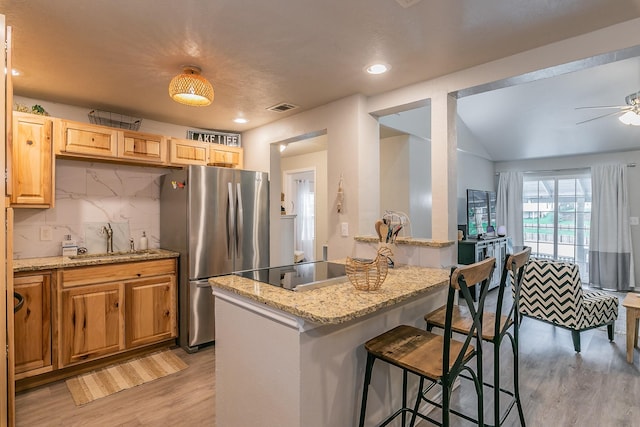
x,y
632,304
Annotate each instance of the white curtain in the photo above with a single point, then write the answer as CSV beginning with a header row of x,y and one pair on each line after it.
x,y
610,250
509,205
305,232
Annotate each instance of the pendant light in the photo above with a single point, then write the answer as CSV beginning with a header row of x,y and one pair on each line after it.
x,y
190,88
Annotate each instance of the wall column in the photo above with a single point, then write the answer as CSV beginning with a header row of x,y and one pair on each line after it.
x,y
444,145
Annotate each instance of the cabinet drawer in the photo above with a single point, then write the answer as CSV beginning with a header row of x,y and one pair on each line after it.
x,y
87,139
115,272
142,147
225,156
187,152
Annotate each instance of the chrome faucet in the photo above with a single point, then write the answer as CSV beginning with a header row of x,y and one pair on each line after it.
x,y
109,232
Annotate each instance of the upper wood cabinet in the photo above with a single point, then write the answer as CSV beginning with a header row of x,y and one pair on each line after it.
x,y
92,140
143,147
95,142
32,325
223,155
31,177
188,152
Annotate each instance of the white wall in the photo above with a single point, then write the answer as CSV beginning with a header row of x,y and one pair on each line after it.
x,y
318,162
395,157
405,182
559,163
80,114
420,188
353,153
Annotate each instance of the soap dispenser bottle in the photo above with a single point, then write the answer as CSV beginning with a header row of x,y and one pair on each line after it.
x,y
144,243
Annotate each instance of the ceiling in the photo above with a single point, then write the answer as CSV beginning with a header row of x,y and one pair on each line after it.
x,y
540,119
120,55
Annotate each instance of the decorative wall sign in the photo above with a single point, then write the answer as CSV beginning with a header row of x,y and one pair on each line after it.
x,y
215,137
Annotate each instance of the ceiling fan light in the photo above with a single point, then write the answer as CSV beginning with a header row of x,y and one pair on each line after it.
x,y
630,118
190,88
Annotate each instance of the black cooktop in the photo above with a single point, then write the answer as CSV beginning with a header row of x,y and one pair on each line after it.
x,y
302,276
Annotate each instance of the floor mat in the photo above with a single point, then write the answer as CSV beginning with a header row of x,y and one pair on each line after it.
x,y
88,387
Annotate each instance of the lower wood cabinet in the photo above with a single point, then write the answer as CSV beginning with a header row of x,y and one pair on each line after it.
x,y
32,325
150,310
108,309
92,322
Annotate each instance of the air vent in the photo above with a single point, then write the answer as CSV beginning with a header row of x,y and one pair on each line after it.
x,y
407,3
282,107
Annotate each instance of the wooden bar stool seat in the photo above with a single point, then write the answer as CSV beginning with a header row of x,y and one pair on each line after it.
x,y
462,322
438,359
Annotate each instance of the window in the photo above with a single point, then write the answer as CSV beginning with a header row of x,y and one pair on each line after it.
x,y
556,218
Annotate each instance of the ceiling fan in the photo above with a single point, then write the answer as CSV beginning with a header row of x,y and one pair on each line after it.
x,y
629,114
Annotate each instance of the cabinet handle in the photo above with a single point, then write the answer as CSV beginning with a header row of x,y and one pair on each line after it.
x,y
20,303
29,142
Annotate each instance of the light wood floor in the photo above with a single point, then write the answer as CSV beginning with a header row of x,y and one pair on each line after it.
x,y
185,398
558,387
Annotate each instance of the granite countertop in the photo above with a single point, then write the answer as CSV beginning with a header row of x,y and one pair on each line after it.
x,y
50,263
411,241
341,302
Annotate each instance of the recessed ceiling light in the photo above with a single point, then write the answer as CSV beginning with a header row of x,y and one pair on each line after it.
x,y
240,120
378,68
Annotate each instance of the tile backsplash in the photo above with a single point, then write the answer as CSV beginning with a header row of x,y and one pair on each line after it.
x,y
88,196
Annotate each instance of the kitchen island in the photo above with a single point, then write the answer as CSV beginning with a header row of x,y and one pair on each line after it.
x,y
288,358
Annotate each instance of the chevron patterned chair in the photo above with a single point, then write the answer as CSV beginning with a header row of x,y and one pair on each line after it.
x,y
552,292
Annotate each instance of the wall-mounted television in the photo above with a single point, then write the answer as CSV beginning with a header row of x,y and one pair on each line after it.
x,y
481,212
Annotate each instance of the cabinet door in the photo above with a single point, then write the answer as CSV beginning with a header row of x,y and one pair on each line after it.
x,y
32,326
90,140
220,155
150,310
187,152
91,322
31,161
142,147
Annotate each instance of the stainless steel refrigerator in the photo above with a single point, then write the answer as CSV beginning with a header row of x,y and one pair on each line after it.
x,y
218,219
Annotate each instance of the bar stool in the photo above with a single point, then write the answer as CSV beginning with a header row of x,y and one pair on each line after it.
x,y
494,331
438,359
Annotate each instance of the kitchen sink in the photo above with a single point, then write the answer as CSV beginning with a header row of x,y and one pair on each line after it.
x,y
117,254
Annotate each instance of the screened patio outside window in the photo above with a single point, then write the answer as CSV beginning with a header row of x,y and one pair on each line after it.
x,y
556,218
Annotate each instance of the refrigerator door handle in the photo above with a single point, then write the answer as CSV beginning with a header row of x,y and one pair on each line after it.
x,y
239,221
231,219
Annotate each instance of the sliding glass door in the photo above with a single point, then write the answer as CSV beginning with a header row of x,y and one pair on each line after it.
x,y
556,218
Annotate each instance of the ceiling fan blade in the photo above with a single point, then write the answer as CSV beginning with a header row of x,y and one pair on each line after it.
x,y
600,117
620,107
